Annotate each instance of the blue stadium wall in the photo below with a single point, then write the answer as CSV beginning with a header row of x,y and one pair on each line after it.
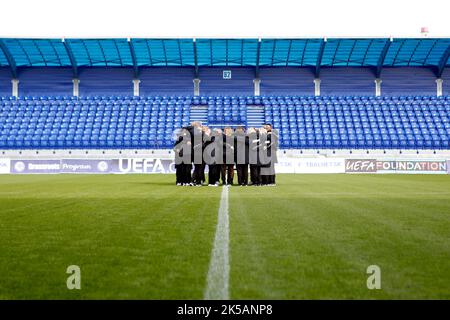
x,y
179,81
347,81
166,81
5,82
45,81
106,81
213,83
408,81
286,81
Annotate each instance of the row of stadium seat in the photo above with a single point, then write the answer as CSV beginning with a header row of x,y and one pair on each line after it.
x,y
150,122
396,122
221,98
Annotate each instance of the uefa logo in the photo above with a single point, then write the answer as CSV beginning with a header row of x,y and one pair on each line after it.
x,y
102,166
19,166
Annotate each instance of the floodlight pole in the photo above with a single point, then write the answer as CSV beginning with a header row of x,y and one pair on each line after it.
x,y
319,58
76,87
136,83
439,82
197,87
381,58
133,57
72,59
317,82
257,80
443,62
257,86
196,72
378,82
15,87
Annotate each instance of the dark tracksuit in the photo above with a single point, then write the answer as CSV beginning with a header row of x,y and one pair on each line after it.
x,y
183,169
198,176
255,165
265,167
227,170
214,167
273,147
268,170
241,157
178,166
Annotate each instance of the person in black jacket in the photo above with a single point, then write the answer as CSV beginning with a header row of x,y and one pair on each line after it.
x,y
255,165
206,132
264,159
272,148
214,156
198,175
241,155
227,170
269,145
178,155
183,157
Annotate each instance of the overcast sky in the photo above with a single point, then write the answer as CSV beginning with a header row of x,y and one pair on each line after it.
x,y
232,18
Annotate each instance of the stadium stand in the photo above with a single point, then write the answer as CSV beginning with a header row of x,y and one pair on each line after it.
x,y
406,122
133,93
91,122
360,122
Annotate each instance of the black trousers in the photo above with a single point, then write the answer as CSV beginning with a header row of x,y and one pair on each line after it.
x,y
255,174
178,173
227,172
214,173
187,173
265,179
202,173
242,173
272,179
183,173
268,174
198,176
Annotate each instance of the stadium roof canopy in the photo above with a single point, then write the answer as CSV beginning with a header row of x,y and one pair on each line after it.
x,y
375,53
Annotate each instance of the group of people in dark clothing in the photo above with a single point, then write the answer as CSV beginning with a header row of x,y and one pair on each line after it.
x,y
221,151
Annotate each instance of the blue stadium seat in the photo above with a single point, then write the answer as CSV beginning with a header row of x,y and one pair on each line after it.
x,y
148,122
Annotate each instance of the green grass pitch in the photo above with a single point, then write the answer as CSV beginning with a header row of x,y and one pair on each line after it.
x,y
141,237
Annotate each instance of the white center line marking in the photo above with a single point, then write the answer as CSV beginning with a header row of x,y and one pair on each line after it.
x,y
219,267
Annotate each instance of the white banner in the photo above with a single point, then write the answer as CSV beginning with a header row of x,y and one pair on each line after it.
x,y
310,165
284,165
5,166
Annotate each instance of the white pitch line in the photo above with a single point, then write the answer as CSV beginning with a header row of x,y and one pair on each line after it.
x,y
219,267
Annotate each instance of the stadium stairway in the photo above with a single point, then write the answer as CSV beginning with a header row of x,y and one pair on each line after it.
x,y
255,116
199,113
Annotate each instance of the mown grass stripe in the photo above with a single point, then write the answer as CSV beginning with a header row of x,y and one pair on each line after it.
x,y
219,268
